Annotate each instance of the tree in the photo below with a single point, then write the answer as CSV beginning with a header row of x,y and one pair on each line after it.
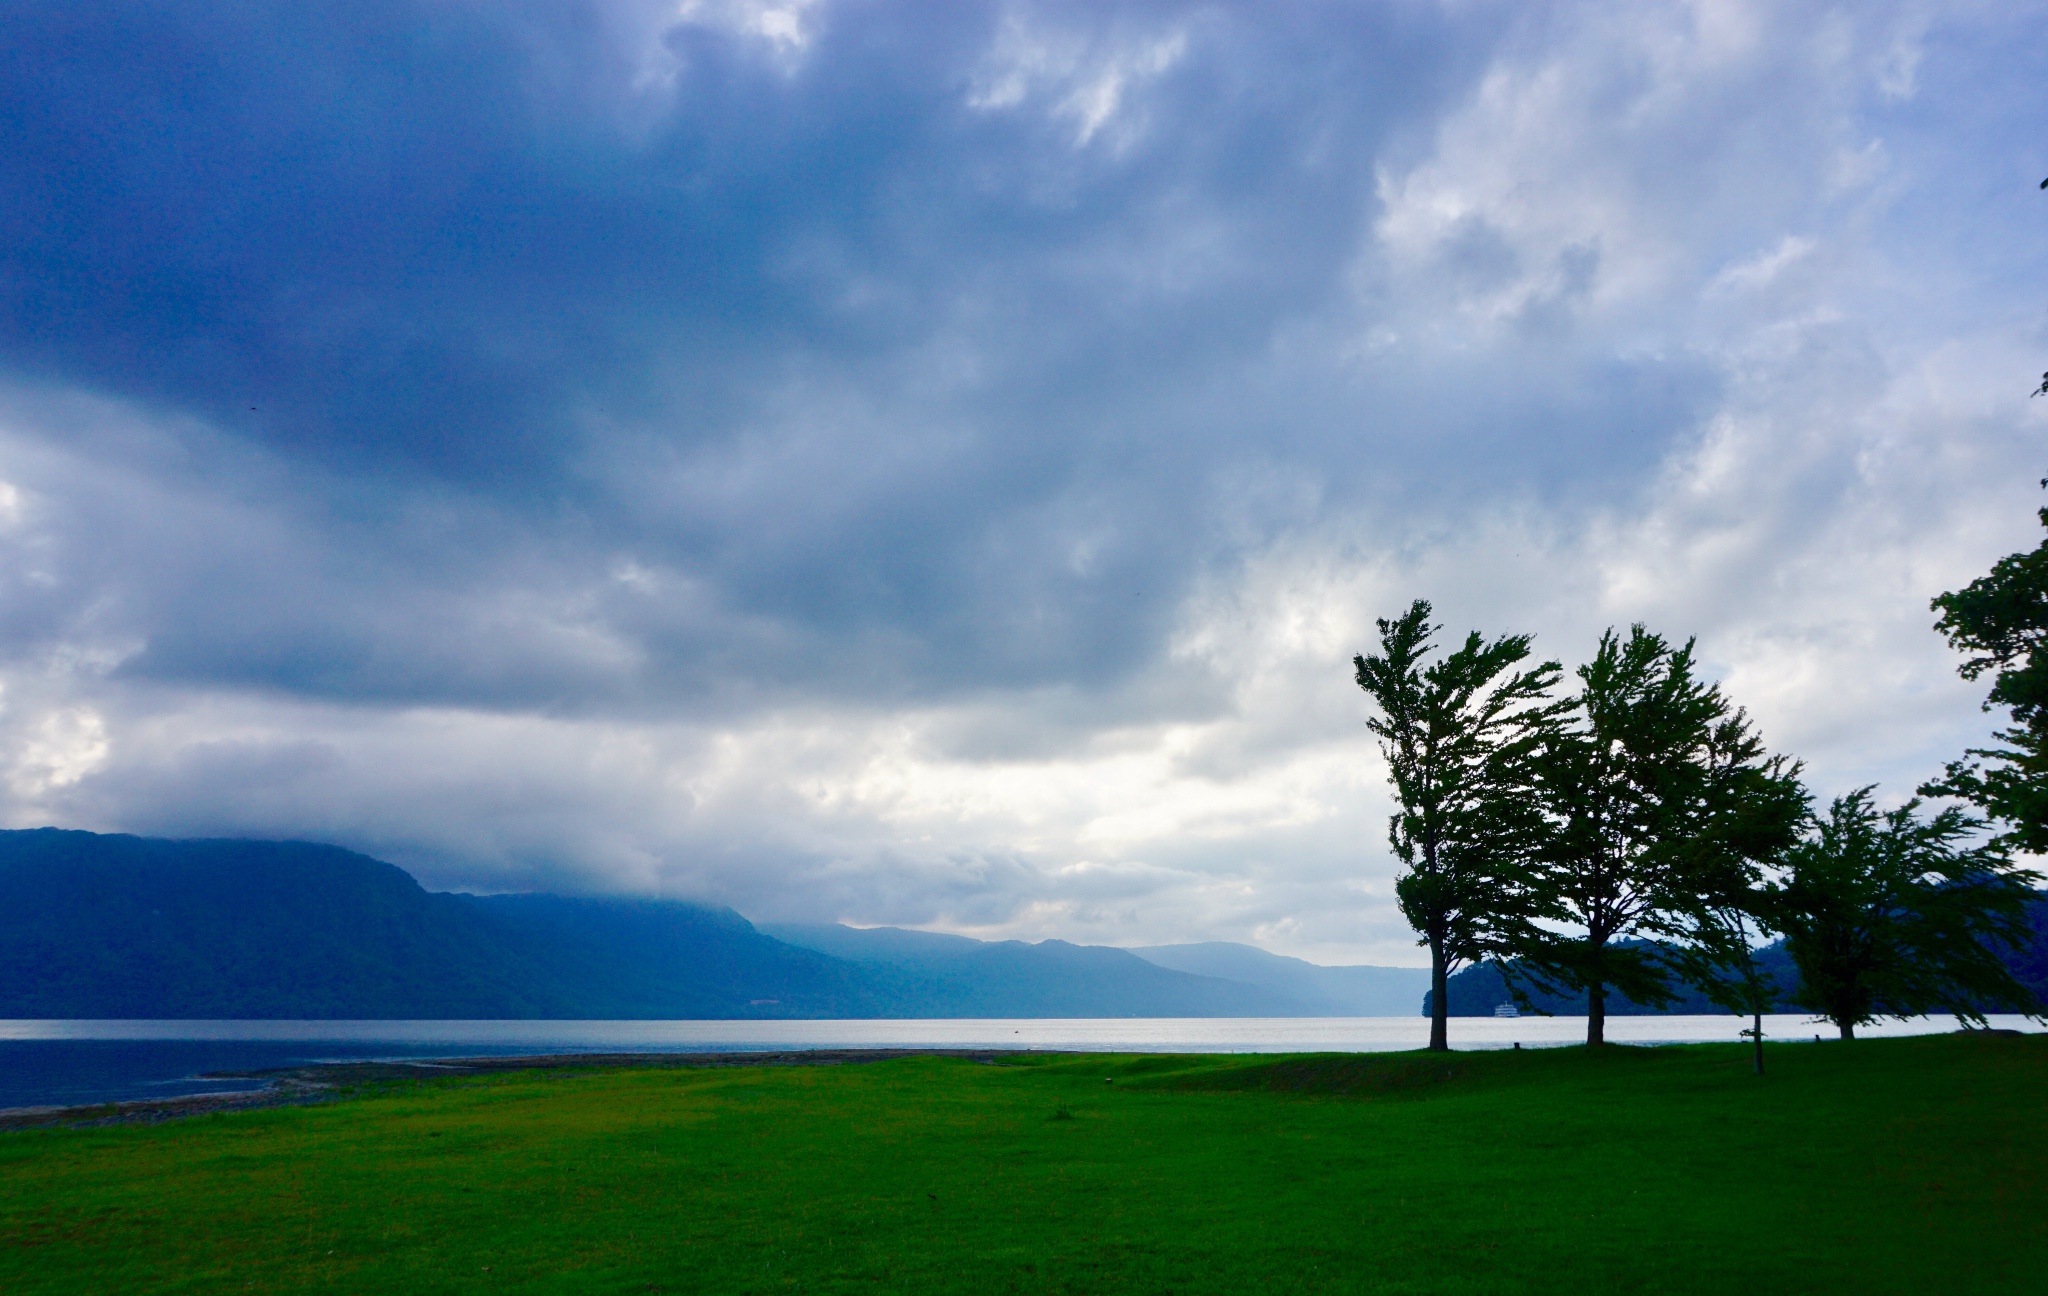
x,y
1659,806
2001,619
1890,914
1457,733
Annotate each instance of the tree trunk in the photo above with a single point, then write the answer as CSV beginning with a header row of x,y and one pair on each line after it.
x,y
1596,1014
1848,1030
1756,1026
1439,999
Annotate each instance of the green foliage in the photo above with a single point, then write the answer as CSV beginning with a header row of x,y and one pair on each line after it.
x,y
2001,619
1565,1171
1889,913
1457,734
1660,806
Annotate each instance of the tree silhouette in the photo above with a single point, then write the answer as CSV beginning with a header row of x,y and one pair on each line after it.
x,y
1659,805
2001,620
1892,914
1457,733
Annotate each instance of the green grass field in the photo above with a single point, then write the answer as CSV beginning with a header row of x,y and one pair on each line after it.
x,y
1901,1165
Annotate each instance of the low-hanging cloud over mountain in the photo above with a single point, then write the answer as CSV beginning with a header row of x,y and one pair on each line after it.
x,y
932,464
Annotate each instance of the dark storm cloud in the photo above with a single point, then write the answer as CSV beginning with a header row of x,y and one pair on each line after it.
x,y
598,358
427,238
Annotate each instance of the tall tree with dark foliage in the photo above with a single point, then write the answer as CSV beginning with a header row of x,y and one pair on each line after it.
x,y
1660,806
1892,914
2001,620
1457,733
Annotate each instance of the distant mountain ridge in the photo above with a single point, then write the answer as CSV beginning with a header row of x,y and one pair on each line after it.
x,y
1357,991
113,926
957,976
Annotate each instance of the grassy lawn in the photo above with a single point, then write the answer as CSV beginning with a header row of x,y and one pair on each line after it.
x,y
1902,1165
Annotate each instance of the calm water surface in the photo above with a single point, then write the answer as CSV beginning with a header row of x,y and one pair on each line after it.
x,y
55,1063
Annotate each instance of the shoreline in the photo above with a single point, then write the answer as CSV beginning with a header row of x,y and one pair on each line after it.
x,y
320,1082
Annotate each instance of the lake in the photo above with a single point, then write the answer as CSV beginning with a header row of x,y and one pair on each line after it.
x,y
63,1063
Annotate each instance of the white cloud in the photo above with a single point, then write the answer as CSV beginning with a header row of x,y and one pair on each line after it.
x,y
1084,77
786,25
1761,270
56,751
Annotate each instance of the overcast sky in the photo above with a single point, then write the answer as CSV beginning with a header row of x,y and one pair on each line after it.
x,y
932,463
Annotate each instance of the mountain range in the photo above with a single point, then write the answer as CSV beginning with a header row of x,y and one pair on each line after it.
x,y
963,977
113,926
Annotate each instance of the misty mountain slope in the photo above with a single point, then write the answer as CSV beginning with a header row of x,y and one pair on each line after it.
x,y
1355,991
871,944
116,926
104,926
957,976
630,958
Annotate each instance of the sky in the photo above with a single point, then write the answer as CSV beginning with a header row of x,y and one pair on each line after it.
x,y
932,463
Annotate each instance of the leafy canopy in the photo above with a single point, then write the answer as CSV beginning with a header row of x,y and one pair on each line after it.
x,y
1890,913
2001,620
1457,734
1660,805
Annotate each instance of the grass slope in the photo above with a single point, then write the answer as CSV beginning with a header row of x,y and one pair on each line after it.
x,y
1910,1165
